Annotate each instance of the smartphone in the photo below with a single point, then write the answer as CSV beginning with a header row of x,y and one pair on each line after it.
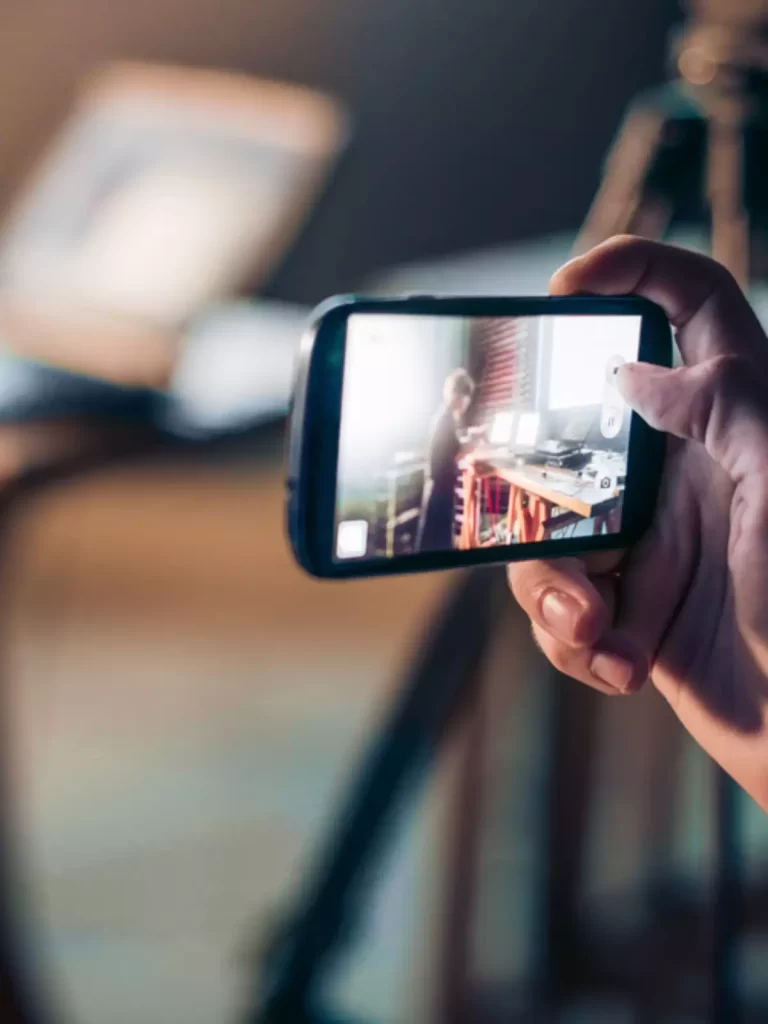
x,y
433,433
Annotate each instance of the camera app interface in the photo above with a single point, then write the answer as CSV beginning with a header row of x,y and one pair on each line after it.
x,y
462,433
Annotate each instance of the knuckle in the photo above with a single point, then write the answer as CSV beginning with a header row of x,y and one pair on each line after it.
x,y
557,654
568,661
516,581
625,241
726,382
733,385
753,518
527,580
722,280
718,287
732,376
537,639
563,662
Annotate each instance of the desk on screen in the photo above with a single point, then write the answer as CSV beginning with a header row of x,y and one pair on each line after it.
x,y
541,500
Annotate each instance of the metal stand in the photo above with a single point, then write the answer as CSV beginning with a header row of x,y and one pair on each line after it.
x,y
298,958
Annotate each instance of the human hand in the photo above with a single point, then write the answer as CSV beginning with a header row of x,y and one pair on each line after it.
x,y
688,606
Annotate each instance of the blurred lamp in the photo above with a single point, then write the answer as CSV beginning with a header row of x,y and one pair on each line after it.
x,y
168,190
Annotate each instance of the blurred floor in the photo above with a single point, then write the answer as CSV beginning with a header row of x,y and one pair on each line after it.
x,y
183,706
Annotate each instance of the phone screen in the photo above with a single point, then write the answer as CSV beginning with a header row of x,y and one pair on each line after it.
x,y
460,433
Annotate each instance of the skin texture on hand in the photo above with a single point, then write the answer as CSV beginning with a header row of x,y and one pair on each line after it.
x,y
688,606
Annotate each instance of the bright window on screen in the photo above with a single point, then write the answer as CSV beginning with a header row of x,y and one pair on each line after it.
x,y
581,348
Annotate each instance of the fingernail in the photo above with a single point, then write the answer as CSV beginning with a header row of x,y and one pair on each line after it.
x,y
613,671
561,613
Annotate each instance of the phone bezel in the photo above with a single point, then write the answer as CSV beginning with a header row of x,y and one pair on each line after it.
x,y
316,420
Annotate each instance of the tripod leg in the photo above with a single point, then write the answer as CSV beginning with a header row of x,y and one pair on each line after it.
x,y
730,245
624,204
454,996
730,224
431,698
727,918
621,204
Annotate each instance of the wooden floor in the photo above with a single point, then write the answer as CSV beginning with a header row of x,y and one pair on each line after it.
x,y
183,706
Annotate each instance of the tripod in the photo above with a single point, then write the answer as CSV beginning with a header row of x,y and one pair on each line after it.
x,y
696,150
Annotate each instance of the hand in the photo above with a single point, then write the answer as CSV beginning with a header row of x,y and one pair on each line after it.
x,y
688,606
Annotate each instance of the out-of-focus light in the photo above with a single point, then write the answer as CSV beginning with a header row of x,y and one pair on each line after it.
x,y
168,190
172,239
389,376
582,347
501,428
352,539
236,365
696,67
528,429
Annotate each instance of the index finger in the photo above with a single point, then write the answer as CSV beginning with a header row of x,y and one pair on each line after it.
x,y
700,297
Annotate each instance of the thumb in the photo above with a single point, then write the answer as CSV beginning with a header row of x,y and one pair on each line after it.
x,y
721,403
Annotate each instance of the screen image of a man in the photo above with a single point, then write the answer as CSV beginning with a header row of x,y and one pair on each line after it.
x,y
445,447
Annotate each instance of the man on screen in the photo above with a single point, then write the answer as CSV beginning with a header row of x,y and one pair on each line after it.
x,y
445,447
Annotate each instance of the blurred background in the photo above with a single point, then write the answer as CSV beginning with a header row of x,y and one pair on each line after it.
x,y
180,181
